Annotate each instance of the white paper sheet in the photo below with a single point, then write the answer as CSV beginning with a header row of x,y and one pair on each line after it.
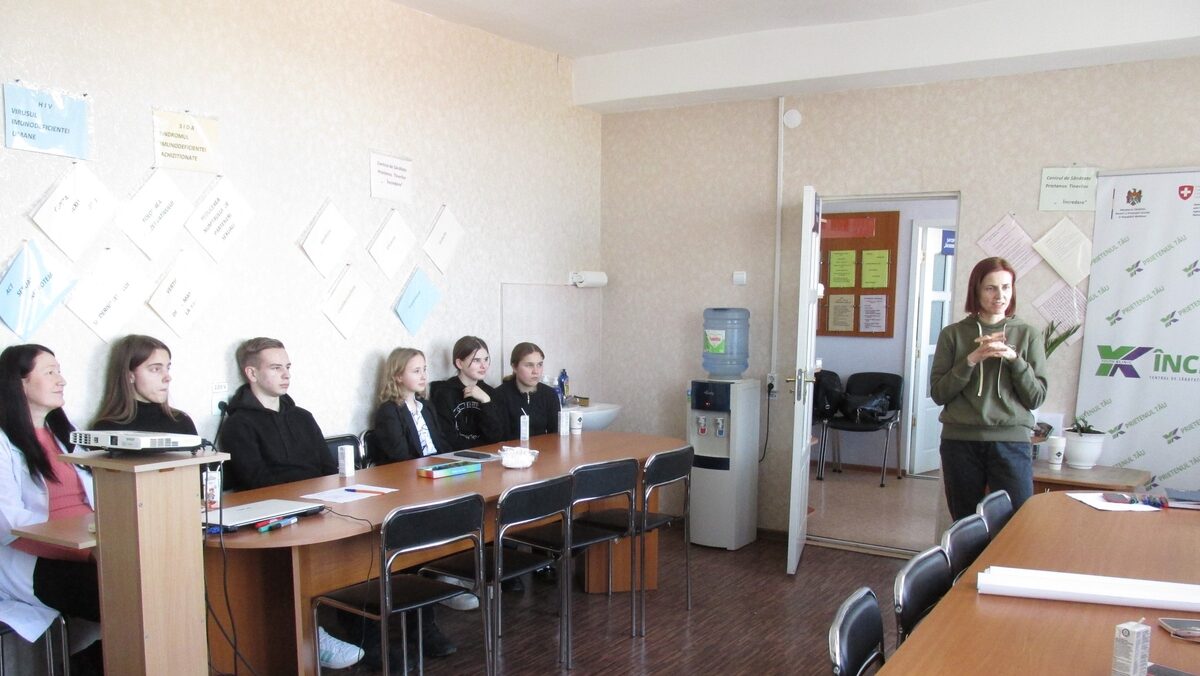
x,y
443,239
219,217
187,284
76,209
1113,591
1067,250
1097,501
32,287
154,217
872,313
1068,189
391,177
1009,240
1064,304
186,141
109,294
327,240
392,244
344,494
347,302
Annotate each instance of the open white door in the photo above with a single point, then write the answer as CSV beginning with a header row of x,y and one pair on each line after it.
x,y
806,334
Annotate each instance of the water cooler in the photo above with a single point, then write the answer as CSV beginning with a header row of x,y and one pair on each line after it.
x,y
723,429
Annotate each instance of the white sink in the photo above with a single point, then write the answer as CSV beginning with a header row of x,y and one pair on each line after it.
x,y
597,416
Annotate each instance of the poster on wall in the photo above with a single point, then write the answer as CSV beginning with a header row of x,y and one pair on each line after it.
x,y
392,244
153,218
420,296
47,121
347,301
1139,376
185,286
110,293
186,141
327,240
391,178
76,209
32,287
219,217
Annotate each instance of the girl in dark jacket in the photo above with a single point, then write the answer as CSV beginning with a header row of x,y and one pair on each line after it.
x,y
405,425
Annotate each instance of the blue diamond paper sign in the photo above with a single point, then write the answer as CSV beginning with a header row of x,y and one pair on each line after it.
x,y
31,289
418,300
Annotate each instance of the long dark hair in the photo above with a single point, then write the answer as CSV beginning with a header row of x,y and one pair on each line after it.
x,y
119,404
16,362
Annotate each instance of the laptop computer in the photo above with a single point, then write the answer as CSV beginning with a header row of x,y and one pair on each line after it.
x,y
262,510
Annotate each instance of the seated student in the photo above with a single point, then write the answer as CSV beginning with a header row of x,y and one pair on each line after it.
x,y
524,392
468,410
39,580
405,426
136,384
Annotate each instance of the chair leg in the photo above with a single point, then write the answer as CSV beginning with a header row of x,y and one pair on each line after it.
x,y
887,437
899,469
633,593
837,451
564,583
64,648
420,646
642,571
316,639
821,455
610,567
687,556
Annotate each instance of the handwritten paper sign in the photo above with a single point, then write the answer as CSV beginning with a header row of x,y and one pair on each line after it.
x,y
392,244
218,218
391,177
443,239
109,295
327,240
31,289
155,215
75,211
183,288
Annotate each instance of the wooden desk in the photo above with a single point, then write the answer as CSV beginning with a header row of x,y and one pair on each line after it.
x,y
972,633
1098,478
76,532
273,577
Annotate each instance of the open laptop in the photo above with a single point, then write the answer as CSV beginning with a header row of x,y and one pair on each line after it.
x,y
262,510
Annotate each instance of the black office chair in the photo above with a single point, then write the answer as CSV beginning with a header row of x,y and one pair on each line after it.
x,y
827,397
369,447
856,635
662,469
920,584
57,660
963,541
996,509
863,383
405,530
595,481
518,506
332,443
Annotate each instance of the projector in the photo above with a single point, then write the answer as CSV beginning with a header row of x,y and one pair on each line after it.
x,y
136,441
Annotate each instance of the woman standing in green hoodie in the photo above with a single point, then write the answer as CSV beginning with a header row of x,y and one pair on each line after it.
x,y
988,375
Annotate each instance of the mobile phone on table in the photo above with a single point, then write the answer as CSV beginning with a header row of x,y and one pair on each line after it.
x,y
1181,626
473,454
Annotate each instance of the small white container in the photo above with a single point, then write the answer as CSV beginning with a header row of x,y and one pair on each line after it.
x,y
524,428
517,457
346,460
576,422
564,423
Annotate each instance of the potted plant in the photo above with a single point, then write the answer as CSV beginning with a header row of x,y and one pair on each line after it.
x,y
1084,444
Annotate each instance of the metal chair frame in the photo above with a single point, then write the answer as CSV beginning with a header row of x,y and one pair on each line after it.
x,y
58,627
858,613
963,544
996,508
886,425
920,584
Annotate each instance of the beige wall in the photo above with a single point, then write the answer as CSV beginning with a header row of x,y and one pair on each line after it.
x,y
304,91
986,139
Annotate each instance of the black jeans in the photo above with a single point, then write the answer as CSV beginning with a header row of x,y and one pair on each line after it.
x,y
970,468
70,587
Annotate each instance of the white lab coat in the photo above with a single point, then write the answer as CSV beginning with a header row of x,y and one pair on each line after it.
x,y
23,501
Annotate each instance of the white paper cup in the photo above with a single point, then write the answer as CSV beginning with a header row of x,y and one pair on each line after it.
x,y
1053,449
576,422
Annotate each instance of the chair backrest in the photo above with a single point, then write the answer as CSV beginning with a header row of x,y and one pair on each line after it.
x,y
605,480
827,394
856,635
868,381
415,527
920,584
667,467
369,447
963,541
333,442
533,501
996,509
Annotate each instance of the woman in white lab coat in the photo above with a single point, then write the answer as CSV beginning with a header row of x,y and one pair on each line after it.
x,y
37,580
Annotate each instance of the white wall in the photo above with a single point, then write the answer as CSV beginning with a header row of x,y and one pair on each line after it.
x,y
303,92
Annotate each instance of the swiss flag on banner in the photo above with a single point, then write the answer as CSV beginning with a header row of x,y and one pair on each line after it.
x,y
1185,191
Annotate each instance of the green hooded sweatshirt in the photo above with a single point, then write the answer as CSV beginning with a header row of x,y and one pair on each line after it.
x,y
992,400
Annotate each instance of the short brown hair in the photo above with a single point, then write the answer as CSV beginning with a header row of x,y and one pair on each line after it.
x,y
247,352
982,269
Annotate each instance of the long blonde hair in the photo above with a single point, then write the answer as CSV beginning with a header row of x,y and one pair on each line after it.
x,y
397,361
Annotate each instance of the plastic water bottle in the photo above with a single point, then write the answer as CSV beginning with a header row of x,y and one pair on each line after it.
x,y
564,387
726,341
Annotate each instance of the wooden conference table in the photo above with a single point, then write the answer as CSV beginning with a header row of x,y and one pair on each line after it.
x,y
972,633
273,577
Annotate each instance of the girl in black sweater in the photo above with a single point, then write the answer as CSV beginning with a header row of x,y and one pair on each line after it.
x,y
524,392
469,409
136,385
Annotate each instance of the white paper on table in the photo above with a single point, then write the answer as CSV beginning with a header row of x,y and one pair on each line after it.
x,y
443,239
187,284
219,217
347,301
392,244
1113,591
75,210
1067,250
186,141
32,287
327,240
1097,501
110,293
1008,240
872,313
343,494
391,177
1064,304
154,217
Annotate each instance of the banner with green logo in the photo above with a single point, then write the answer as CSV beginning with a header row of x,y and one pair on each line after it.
x,y
1139,379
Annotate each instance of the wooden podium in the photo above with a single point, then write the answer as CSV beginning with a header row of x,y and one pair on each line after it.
x,y
150,559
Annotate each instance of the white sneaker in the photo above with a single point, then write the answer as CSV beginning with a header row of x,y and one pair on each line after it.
x,y
462,601
335,653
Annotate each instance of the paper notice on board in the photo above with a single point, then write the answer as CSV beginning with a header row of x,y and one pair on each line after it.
x,y
841,269
1067,250
186,141
443,239
75,211
875,269
347,302
1068,189
219,217
155,215
109,294
47,121
872,313
32,287
1008,240
183,289
418,300
1064,304
327,240
392,244
391,178
841,312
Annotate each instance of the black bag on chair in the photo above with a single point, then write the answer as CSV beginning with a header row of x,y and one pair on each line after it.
x,y
827,394
867,408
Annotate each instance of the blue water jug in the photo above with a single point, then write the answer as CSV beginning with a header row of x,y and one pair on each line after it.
x,y
726,342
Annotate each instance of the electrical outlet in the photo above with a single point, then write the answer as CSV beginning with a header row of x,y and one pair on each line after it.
x,y
772,388
219,392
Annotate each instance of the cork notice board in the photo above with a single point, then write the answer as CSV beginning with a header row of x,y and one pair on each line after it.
x,y
858,269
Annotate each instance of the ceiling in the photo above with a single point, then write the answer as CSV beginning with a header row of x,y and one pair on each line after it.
x,y
577,28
